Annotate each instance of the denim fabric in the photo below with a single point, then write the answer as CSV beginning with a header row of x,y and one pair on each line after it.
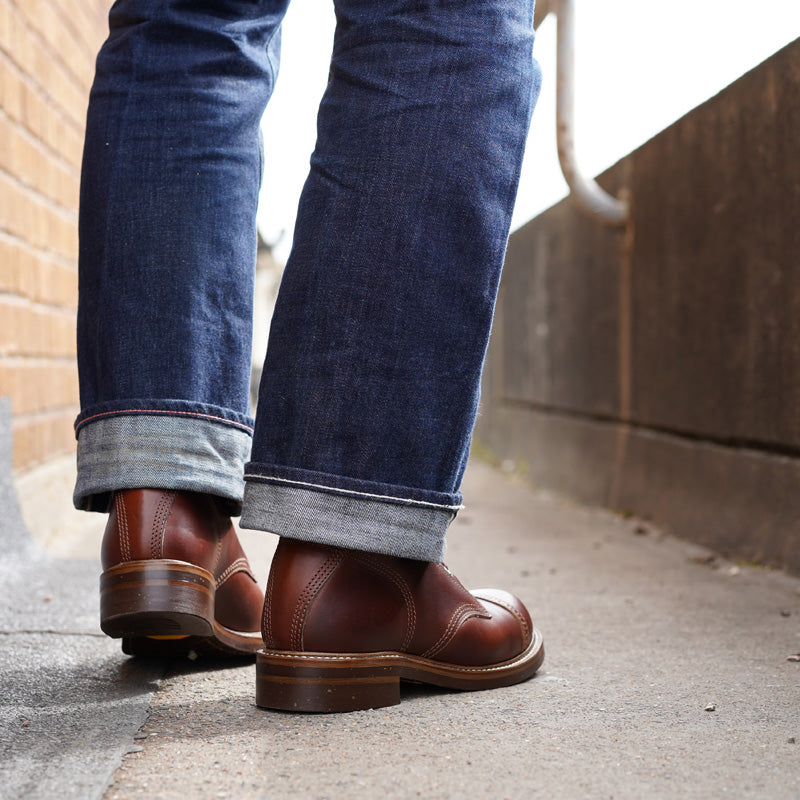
x,y
352,521
381,324
370,386
161,452
169,188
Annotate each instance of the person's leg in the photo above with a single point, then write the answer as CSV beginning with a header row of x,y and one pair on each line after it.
x,y
170,181
370,385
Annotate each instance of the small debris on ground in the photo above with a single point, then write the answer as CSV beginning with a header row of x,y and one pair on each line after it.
x,y
795,657
711,707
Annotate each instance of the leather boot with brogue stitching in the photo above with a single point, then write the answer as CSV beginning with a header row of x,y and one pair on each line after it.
x,y
175,577
342,628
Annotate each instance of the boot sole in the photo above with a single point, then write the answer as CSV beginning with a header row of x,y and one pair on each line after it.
x,y
224,643
164,607
326,682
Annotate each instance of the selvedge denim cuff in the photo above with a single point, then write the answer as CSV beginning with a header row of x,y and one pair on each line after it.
x,y
159,451
356,521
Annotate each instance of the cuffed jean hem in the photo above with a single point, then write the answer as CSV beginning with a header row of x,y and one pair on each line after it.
x,y
159,452
319,481
407,530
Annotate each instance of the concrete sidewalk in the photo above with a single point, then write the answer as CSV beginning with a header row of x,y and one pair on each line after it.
x,y
667,675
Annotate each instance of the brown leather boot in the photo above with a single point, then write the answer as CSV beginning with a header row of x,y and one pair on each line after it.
x,y
175,576
342,628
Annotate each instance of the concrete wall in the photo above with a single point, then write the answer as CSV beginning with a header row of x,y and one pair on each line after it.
x,y
656,369
47,51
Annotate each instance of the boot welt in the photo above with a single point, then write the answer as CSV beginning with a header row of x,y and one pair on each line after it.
x,y
335,682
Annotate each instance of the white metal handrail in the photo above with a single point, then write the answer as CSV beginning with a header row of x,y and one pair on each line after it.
x,y
589,196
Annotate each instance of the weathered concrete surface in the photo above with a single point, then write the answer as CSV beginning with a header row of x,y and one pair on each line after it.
x,y
70,703
686,324
642,632
744,501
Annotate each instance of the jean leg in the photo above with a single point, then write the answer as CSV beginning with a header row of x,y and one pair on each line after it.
x,y
370,385
170,181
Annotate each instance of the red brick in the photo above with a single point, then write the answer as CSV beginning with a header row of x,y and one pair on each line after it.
x,y
30,53
39,437
35,330
38,385
47,52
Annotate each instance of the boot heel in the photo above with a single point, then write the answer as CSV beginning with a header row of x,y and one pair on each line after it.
x,y
320,683
156,598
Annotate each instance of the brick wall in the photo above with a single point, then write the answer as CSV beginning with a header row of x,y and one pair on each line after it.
x,y
47,51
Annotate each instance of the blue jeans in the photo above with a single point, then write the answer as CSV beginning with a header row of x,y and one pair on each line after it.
x,y
370,384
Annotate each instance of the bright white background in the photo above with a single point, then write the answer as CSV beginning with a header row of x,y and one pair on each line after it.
x,y
640,65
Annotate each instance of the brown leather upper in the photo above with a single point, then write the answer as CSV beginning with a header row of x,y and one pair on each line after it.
x,y
147,524
326,599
